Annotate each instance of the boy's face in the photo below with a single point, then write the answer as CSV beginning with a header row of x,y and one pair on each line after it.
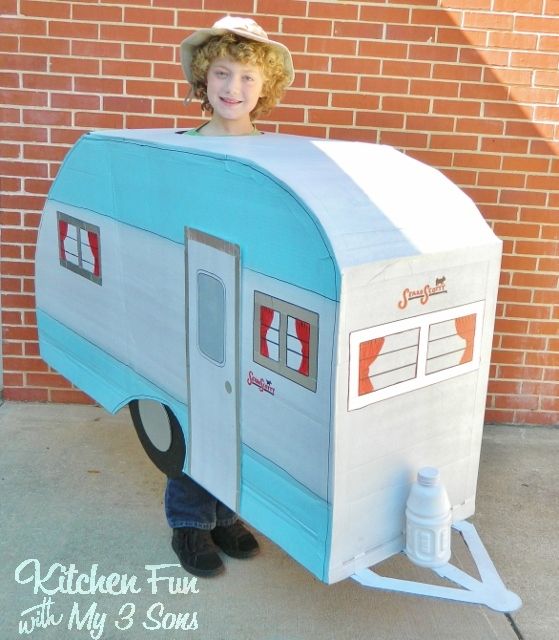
x,y
233,88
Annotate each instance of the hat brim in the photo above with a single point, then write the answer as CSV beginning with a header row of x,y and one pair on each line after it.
x,y
192,42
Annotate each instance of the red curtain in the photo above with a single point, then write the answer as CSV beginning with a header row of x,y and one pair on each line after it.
x,y
266,318
94,244
62,235
466,329
368,353
303,330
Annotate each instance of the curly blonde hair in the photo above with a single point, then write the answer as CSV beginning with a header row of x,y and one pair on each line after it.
x,y
245,51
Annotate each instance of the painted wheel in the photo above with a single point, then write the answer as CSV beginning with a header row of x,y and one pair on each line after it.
x,y
161,435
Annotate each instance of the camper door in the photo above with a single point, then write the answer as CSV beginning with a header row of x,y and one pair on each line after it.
x,y
212,294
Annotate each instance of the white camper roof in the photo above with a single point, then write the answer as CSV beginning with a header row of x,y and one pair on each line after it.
x,y
373,202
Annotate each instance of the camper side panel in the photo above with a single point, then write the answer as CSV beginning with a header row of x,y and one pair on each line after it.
x,y
412,380
111,307
289,336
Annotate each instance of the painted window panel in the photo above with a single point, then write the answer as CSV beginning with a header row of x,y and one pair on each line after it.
x,y
269,333
79,247
391,360
398,357
450,343
211,317
286,339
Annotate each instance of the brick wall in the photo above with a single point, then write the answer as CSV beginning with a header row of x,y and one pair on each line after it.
x,y
469,86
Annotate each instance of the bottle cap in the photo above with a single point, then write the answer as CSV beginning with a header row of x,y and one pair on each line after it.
x,y
428,476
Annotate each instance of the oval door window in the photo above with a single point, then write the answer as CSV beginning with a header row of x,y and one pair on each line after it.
x,y
211,317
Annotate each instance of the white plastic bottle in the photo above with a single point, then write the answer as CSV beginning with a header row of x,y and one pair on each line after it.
x,y
428,520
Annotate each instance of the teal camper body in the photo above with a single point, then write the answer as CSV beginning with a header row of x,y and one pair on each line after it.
x,y
292,322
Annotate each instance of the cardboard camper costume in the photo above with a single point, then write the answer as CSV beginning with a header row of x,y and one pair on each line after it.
x,y
298,324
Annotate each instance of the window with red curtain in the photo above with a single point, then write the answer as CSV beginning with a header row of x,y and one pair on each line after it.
x,y
368,353
286,339
62,235
303,330
79,247
466,329
266,318
94,245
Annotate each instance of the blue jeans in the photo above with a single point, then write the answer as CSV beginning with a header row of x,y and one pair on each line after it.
x,y
187,504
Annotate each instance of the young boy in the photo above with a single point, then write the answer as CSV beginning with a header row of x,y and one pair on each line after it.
x,y
238,73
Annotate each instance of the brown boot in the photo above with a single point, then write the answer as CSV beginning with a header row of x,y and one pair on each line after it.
x,y
236,540
197,552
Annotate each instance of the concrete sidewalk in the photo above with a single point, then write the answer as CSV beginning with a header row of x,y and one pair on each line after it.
x,y
76,488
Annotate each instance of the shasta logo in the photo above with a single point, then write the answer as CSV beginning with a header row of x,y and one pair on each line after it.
x,y
261,383
423,294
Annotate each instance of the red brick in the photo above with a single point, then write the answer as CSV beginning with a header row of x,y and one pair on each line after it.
x,y
384,86
136,15
544,328
543,63
74,65
44,152
285,8
152,53
126,68
356,66
403,140
382,50
402,104
332,46
351,101
46,118
96,13
150,88
23,169
24,62
23,26
24,98
353,133
99,120
302,130
90,49
406,69
45,9
523,197
537,24
512,230
25,395
435,88
56,46
69,397
501,179
124,33
320,98
303,26
459,142
499,416
410,33
343,11
333,82
526,164
543,359
517,402
548,264
60,29
148,122
379,119
429,123
540,312
126,104
48,82
457,107
331,116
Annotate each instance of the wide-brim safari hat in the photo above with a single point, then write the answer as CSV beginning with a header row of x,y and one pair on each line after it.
x,y
244,27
